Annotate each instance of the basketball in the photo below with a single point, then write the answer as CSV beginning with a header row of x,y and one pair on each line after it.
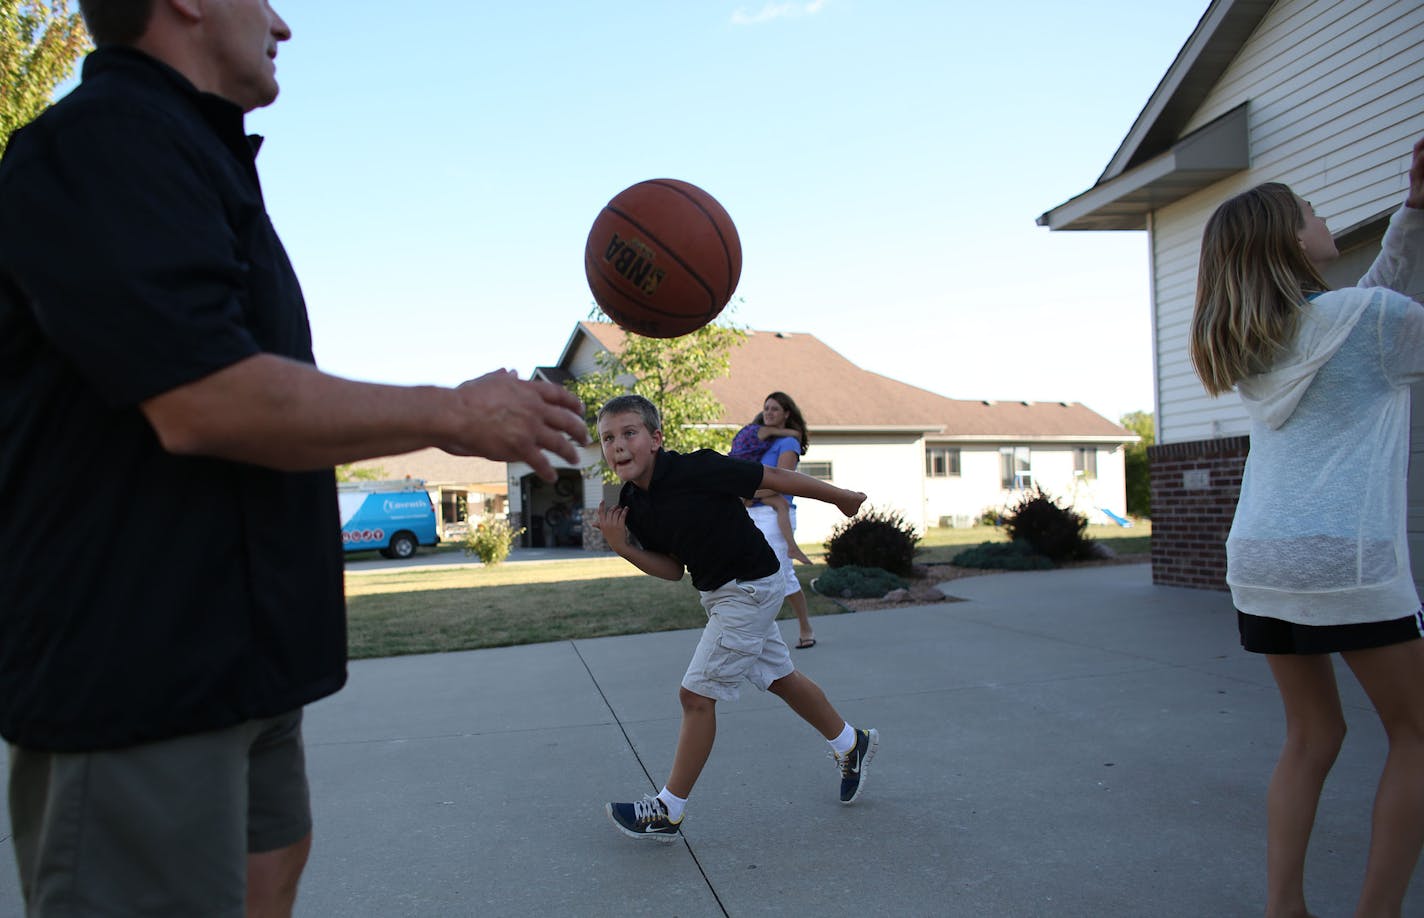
x,y
662,258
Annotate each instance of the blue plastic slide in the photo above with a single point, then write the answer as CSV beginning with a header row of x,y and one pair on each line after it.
x,y
1125,523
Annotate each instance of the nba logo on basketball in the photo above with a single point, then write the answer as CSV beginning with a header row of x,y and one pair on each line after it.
x,y
634,260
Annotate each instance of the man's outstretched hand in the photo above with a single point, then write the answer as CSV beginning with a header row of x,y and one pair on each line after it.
x,y
509,419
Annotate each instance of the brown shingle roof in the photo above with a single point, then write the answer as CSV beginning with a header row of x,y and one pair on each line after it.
x,y
438,467
832,392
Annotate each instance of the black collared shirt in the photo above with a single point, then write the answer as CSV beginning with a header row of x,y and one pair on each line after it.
x,y
693,511
145,595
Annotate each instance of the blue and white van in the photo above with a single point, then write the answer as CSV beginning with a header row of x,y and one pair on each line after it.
x,y
393,517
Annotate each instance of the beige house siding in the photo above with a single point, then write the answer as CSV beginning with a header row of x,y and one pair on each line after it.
x,y
1185,411
1053,468
968,494
876,465
1336,98
584,359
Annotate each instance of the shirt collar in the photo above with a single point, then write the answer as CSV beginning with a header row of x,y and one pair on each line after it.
x,y
224,116
660,471
660,465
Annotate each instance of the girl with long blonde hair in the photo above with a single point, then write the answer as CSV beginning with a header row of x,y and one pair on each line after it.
x,y
1317,557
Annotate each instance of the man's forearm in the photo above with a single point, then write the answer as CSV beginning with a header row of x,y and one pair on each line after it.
x,y
268,410
281,413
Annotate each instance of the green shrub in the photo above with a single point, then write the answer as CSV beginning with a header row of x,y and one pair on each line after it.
x,y
990,516
1135,466
1054,531
1004,556
852,582
876,538
491,539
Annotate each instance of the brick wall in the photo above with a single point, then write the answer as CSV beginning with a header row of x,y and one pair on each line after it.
x,y
1195,487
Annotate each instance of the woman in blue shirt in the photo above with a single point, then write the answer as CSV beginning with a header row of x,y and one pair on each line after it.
x,y
779,410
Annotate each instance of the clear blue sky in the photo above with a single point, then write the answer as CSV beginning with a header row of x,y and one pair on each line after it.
x,y
434,168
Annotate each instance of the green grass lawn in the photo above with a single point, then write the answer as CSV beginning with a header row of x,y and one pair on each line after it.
x,y
415,610
422,611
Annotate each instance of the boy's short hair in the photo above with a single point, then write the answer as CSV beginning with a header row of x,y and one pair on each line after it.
x,y
633,404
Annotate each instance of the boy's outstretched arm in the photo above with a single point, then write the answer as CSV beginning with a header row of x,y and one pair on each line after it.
x,y
613,523
798,484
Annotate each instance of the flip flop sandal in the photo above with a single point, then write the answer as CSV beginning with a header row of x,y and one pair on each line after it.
x,y
806,643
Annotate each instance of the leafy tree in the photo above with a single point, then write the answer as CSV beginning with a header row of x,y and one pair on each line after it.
x,y
39,42
1139,482
673,374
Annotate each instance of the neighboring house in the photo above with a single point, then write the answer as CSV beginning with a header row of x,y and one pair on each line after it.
x,y
937,460
461,486
1325,96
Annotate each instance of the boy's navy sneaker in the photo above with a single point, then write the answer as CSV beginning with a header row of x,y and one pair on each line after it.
x,y
853,764
647,818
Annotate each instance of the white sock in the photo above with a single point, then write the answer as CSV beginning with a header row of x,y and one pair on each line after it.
x,y
845,742
674,804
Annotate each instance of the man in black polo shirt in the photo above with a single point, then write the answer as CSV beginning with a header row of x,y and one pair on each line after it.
x,y
171,594
687,511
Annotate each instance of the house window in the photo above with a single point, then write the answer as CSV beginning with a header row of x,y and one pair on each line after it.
x,y
454,506
1085,462
1016,467
821,470
941,462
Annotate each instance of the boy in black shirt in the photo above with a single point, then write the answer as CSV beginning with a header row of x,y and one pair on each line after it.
x,y
686,510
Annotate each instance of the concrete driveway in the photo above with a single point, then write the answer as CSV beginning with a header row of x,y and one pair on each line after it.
x,y
1063,743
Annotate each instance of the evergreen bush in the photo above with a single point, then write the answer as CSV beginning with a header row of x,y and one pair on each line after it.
x,y
876,538
1055,532
855,582
1003,556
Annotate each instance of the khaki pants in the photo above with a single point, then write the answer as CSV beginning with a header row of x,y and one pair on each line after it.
x,y
161,828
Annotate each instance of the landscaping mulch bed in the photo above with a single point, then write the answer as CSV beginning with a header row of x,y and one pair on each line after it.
x,y
926,588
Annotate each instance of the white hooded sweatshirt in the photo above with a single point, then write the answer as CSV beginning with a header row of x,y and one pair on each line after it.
x,y
1319,533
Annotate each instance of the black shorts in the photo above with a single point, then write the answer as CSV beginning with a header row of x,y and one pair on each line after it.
x,y
1260,634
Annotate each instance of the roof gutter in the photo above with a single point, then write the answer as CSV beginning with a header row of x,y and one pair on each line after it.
x,y
1207,155
1220,33
1010,438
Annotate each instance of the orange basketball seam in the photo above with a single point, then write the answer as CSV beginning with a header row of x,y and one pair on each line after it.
x,y
611,284
691,272
726,249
